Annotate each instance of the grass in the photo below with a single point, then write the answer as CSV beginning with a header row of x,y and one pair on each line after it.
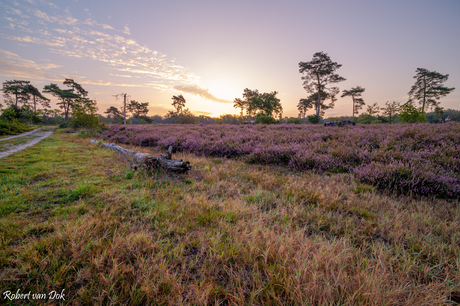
x,y
74,216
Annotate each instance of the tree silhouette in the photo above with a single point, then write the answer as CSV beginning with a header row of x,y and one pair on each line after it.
x,y
355,94
248,95
113,113
257,103
66,96
312,102
124,104
238,103
304,105
267,104
76,88
18,88
37,97
409,113
373,109
391,110
319,73
178,103
138,108
428,88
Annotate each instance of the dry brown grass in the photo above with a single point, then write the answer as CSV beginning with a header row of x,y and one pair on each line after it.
x,y
226,233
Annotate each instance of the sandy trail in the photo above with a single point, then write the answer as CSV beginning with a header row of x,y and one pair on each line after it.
x,y
20,135
31,138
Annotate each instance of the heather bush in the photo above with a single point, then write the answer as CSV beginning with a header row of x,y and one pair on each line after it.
x,y
422,159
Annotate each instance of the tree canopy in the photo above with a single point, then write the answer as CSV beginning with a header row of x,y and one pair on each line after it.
x,y
115,114
37,97
17,88
138,109
238,103
68,96
428,88
319,73
84,115
410,114
315,100
373,109
178,103
391,110
256,103
267,104
355,93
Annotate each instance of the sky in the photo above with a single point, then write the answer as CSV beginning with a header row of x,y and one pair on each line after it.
x,y
211,50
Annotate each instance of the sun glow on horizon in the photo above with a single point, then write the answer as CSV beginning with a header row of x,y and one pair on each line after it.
x,y
224,89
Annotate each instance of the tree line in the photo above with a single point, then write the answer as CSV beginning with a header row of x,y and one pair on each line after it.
x,y
22,99
319,80
319,76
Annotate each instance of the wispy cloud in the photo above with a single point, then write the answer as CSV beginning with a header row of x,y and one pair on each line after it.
x,y
43,23
203,113
13,65
80,39
126,30
202,92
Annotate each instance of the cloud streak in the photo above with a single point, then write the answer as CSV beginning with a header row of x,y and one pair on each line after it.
x,y
12,65
202,92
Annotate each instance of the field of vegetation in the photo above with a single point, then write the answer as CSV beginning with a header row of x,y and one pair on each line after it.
x,y
422,159
75,217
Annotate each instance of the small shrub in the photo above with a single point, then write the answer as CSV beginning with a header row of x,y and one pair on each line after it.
x,y
264,119
293,121
129,175
314,119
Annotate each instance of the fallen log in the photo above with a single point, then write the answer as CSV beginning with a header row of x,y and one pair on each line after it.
x,y
149,161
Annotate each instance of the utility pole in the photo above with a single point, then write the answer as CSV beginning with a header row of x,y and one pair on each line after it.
x,y
124,104
124,110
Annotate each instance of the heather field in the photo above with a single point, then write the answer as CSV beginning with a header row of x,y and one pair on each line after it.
x,y
416,159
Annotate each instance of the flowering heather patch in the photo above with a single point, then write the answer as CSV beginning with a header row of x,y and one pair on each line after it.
x,y
421,159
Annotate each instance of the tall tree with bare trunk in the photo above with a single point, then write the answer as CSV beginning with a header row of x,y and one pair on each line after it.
x,y
358,102
18,88
319,73
428,88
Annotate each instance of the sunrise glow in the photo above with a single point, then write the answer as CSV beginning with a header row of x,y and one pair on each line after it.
x,y
211,51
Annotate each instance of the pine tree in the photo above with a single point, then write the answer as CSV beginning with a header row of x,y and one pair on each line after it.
x,y
18,88
358,102
178,103
138,109
37,97
391,110
320,72
428,88
68,96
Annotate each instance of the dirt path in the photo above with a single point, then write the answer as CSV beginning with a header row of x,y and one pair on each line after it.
x,y
20,135
22,142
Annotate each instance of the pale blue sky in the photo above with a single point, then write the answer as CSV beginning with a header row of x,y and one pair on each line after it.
x,y
209,51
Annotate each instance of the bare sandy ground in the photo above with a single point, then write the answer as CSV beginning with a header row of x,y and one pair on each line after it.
x,y
20,135
31,138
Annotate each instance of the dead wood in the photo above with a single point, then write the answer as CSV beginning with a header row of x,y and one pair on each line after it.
x,y
150,161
